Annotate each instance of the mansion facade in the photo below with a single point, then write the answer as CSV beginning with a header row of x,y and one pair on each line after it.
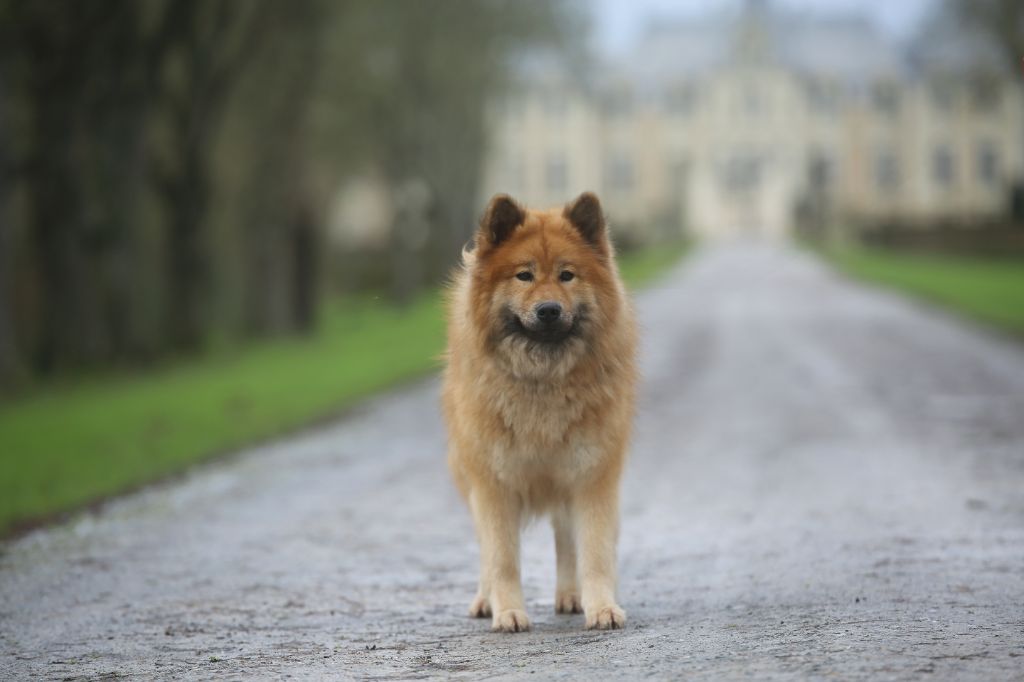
x,y
725,124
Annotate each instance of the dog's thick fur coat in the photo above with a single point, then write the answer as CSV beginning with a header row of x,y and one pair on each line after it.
x,y
539,414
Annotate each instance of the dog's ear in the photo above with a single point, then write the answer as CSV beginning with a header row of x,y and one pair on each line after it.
x,y
501,217
586,216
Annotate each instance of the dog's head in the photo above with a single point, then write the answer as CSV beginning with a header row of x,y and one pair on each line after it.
x,y
543,284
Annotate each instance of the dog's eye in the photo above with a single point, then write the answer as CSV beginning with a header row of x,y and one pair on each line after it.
x,y
524,276
566,276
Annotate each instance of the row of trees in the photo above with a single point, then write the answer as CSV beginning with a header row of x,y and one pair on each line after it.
x,y
166,165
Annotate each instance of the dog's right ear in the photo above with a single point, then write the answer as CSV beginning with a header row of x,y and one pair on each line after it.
x,y
502,216
586,215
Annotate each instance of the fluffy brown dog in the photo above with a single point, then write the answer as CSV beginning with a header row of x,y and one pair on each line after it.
x,y
538,396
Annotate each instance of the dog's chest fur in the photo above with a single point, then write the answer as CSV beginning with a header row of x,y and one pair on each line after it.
x,y
548,435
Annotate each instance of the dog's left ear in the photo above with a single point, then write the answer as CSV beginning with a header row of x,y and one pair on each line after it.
x,y
501,217
586,216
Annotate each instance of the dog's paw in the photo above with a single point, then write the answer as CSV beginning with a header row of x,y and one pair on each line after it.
x,y
606,618
480,608
568,601
511,620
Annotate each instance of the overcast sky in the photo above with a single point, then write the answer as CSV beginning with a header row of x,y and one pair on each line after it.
x,y
620,21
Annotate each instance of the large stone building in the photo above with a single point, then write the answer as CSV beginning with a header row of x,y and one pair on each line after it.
x,y
728,123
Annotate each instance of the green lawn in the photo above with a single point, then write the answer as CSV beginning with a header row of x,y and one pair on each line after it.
x,y
640,268
65,445
988,290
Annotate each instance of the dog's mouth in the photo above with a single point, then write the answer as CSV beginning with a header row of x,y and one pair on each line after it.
x,y
549,335
555,334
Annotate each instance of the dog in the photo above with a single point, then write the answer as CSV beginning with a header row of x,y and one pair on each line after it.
x,y
538,396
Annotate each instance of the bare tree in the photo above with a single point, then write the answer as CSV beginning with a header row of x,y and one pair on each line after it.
x,y
9,364
85,76
280,220
132,231
416,78
1001,20
216,38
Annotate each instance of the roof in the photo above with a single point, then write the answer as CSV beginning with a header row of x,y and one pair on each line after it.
x,y
848,48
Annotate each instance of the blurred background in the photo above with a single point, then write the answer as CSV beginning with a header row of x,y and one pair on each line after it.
x,y
220,219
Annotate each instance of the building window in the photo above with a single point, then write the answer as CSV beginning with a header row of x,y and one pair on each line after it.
x,y
742,173
556,105
823,97
887,172
943,167
943,93
556,173
681,101
985,94
821,171
513,111
619,173
618,105
678,169
988,164
752,101
515,174
886,98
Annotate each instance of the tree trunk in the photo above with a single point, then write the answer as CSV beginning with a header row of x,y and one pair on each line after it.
x,y
281,282
9,359
187,273
305,284
212,64
53,204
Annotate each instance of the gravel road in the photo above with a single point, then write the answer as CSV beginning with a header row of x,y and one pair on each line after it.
x,y
827,480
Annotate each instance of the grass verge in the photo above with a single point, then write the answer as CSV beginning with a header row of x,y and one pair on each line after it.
x,y
65,446
988,290
640,268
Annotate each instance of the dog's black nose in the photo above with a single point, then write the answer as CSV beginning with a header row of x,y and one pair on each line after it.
x,y
548,311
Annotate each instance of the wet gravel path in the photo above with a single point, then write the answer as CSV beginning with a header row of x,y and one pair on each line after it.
x,y
827,480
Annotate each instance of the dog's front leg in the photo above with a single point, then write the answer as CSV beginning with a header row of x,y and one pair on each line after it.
x,y
567,591
597,518
497,514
